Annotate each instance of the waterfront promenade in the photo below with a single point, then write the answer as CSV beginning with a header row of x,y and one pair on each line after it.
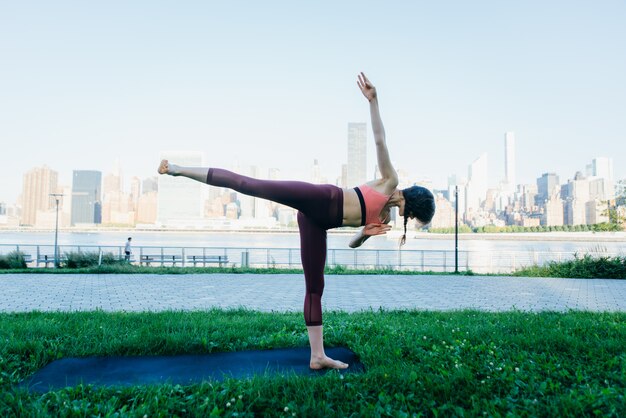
x,y
285,292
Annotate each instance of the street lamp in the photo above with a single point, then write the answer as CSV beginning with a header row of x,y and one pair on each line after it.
x,y
56,229
456,229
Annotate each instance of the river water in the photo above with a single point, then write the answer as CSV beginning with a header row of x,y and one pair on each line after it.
x,y
541,242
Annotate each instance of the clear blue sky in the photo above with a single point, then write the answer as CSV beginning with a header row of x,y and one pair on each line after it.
x,y
274,84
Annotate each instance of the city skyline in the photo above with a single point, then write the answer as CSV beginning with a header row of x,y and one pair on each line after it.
x,y
482,163
83,85
94,199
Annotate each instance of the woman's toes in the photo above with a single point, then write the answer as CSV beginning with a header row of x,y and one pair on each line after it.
x,y
163,167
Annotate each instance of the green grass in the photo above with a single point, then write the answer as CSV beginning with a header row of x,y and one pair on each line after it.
x,y
134,269
436,364
586,266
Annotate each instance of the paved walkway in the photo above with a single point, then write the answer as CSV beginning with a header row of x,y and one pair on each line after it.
x,y
285,292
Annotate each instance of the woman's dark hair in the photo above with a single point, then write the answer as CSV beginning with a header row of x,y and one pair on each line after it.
x,y
419,202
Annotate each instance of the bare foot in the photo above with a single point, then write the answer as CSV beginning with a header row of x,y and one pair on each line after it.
x,y
166,168
163,167
326,362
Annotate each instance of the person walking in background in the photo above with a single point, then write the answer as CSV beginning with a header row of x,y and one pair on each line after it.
x,y
127,249
323,207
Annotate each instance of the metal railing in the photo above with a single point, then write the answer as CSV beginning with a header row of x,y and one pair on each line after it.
x,y
405,260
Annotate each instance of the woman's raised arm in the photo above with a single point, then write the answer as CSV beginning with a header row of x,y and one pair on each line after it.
x,y
382,153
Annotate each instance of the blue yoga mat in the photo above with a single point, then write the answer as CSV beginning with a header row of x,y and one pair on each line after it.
x,y
181,369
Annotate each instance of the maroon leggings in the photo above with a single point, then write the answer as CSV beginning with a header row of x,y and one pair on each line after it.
x,y
320,207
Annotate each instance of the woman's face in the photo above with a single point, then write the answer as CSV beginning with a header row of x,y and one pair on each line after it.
x,y
401,209
401,206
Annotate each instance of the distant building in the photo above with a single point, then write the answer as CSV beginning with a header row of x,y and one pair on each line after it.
x,y
444,215
509,161
86,197
477,185
150,184
620,192
118,207
597,212
135,190
316,176
147,208
547,184
457,184
526,195
38,184
343,183
602,167
575,211
601,188
530,221
553,211
65,214
180,200
111,183
357,154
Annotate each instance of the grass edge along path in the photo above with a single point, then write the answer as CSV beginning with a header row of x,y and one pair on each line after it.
x,y
418,363
581,267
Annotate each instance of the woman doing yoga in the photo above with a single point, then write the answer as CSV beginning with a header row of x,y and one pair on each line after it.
x,y
323,207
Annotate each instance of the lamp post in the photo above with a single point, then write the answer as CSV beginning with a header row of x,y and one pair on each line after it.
x,y
456,229
56,229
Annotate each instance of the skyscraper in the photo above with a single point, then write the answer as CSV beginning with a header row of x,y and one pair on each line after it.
x,y
547,185
509,161
553,214
38,184
316,176
478,183
180,199
86,197
357,154
602,167
135,189
577,197
453,182
603,184
111,183
149,184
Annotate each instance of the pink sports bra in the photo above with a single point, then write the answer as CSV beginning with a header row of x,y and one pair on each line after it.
x,y
372,203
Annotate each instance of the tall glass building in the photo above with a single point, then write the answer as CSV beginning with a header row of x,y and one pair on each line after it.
x,y
86,197
509,161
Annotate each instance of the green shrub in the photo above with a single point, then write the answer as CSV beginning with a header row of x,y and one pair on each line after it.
x,y
13,260
605,227
587,266
81,259
463,229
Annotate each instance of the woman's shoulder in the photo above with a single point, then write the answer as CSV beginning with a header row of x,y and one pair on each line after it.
x,y
384,186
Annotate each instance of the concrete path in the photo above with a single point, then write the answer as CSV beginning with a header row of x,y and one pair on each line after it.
x,y
285,292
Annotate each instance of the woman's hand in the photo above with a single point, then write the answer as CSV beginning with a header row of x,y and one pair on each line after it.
x,y
367,231
375,229
366,86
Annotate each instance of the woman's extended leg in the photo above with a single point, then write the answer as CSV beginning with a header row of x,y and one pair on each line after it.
x,y
313,253
322,203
